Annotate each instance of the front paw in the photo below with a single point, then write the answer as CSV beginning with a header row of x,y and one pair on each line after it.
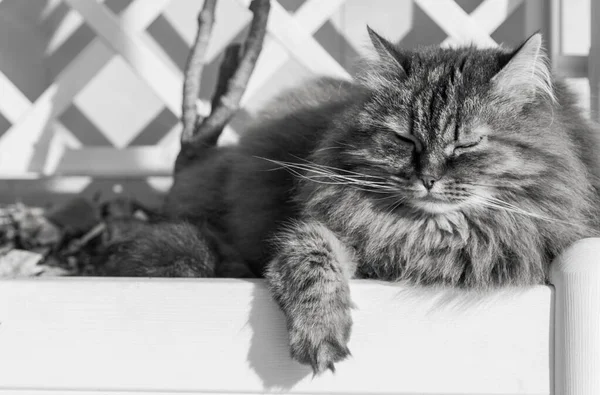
x,y
322,340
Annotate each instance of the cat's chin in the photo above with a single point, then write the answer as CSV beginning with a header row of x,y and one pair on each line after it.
x,y
435,206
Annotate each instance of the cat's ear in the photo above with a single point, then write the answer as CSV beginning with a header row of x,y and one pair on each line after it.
x,y
527,73
387,51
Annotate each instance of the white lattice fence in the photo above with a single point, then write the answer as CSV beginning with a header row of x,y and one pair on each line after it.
x,y
39,144
125,36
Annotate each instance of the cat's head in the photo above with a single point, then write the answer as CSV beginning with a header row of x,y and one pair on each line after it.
x,y
456,128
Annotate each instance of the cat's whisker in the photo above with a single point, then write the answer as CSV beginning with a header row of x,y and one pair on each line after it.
x,y
515,209
502,205
337,169
336,179
305,167
341,144
327,149
326,173
394,204
397,204
351,179
400,179
291,165
360,177
312,179
376,189
498,185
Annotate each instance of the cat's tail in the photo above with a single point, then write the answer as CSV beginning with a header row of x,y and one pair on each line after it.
x,y
158,250
167,249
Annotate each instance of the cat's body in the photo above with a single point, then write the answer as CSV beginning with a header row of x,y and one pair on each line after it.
x,y
246,198
461,167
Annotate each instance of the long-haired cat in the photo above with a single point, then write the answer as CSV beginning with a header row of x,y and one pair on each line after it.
x,y
462,167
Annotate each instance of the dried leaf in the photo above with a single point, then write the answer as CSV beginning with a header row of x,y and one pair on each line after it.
x,y
20,263
48,234
40,242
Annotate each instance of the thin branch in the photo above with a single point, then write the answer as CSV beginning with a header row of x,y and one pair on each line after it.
x,y
229,64
194,67
209,130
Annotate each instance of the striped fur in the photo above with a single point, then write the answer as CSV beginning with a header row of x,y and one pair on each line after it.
x,y
511,161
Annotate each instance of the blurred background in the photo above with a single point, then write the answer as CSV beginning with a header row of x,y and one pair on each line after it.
x,y
90,91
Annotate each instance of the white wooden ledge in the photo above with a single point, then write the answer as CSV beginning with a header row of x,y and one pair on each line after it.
x,y
160,336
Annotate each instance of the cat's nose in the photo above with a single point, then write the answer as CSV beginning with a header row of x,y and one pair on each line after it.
x,y
428,181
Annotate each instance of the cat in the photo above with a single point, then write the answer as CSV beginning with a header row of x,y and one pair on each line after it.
x,y
461,167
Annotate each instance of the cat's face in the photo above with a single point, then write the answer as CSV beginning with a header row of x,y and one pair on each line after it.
x,y
454,129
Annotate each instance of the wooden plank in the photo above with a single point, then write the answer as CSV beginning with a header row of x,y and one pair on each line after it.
x,y
169,336
451,18
92,392
227,336
576,277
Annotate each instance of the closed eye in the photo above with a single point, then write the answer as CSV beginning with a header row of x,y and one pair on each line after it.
x,y
465,145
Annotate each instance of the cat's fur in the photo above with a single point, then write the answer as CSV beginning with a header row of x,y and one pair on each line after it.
x,y
336,174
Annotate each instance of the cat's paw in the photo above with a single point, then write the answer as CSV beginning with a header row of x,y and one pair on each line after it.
x,y
321,341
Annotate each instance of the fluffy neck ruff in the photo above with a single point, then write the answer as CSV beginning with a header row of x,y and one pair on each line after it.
x,y
475,249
